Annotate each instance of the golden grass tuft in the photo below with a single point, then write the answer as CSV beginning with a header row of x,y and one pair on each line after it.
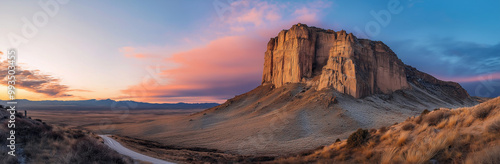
x,y
429,147
453,121
389,156
387,135
403,138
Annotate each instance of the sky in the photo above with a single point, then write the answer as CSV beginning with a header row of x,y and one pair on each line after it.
x,y
211,50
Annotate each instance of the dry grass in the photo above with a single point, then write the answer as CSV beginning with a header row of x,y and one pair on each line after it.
x,y
387,135
403,138
452,122
435,117
464,135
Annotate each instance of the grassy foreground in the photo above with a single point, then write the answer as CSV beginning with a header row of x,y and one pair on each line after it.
x,y
465,135
38,142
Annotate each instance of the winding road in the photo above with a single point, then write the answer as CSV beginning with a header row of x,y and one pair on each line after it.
x,y
115,145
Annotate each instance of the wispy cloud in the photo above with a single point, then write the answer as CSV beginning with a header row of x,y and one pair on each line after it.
x,y
35,81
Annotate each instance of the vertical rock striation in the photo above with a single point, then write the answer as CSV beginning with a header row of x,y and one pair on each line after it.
x,y
358,67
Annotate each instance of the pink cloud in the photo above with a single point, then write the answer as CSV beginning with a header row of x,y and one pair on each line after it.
x,y
486,77
273,16
223,68
306,15
131,52
232,63
247,16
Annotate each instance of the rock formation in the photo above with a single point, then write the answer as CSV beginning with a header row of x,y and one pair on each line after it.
x,y
318,85
357,67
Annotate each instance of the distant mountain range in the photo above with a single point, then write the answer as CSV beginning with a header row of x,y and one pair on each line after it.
x,y
23,104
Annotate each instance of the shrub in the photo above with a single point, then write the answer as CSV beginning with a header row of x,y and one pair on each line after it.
x,y
88,150
482,112
435,117
357,138
494,127
383,129
425,112
408,126
77,134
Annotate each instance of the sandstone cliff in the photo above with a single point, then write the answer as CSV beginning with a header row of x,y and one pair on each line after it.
x,y
329,59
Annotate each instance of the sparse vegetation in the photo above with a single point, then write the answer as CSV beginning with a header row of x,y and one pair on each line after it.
x,y
408,126
357,138
383,129
435,117
465,135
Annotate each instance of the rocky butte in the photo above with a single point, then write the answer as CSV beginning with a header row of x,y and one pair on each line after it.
x,y
318,85
357,67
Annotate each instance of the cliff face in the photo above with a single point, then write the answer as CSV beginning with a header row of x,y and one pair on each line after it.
x,y
338,60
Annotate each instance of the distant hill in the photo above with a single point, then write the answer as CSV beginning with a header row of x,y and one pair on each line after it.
x,y
103,104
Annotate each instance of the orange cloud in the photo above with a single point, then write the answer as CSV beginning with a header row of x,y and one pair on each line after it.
x,y
223,68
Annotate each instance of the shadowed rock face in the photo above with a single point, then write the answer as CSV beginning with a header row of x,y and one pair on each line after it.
x,y
329,59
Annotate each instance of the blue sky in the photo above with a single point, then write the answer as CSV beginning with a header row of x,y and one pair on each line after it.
x,y
150,50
